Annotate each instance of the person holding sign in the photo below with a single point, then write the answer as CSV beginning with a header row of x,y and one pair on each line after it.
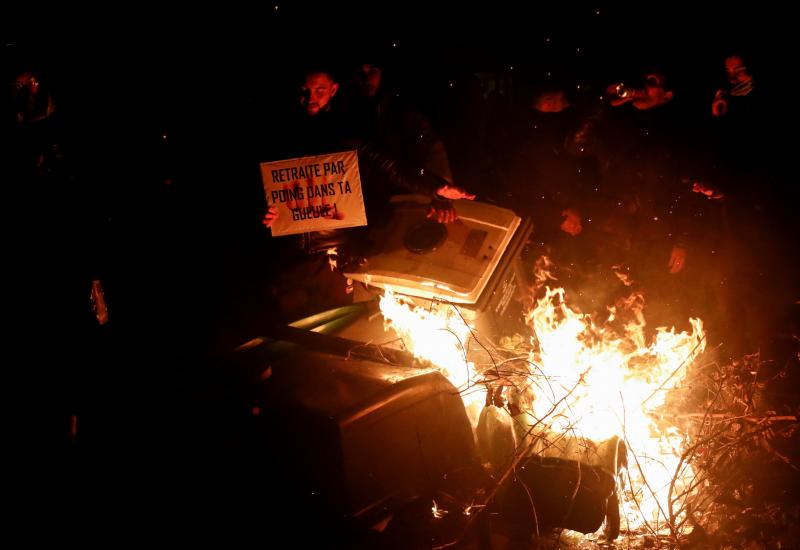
x,y
386,171
317,196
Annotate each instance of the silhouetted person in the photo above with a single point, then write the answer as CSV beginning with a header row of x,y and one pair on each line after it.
x,y
59,256
306,282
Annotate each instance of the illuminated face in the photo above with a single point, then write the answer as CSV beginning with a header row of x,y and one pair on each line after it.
x,y
31,100
551,102
654,93
316,92
367,79
26,83
737,72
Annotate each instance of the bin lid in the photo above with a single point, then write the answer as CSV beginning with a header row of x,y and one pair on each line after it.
x,y
426,259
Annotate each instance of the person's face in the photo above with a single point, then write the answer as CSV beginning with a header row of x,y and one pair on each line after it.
x,y
367,79
316,92
737,72
550,102
30,99
26,83
655,94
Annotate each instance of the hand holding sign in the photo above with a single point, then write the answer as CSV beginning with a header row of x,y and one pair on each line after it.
x,y
270,216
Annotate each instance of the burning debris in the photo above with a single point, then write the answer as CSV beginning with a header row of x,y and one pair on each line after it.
x,y
593,425
659,437
592,422
733,437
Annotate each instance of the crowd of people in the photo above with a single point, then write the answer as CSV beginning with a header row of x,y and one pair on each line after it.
x,y
628,175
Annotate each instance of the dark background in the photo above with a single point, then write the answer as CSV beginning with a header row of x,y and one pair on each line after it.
x,y
162,108
163,104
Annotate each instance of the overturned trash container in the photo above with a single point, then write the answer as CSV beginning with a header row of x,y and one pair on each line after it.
x,y
348,441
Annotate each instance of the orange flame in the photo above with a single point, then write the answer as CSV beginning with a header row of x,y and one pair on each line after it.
x,y
594,383
587,382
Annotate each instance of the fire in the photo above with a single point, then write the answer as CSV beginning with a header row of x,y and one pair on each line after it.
x,y
439,337
593,382
588,383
